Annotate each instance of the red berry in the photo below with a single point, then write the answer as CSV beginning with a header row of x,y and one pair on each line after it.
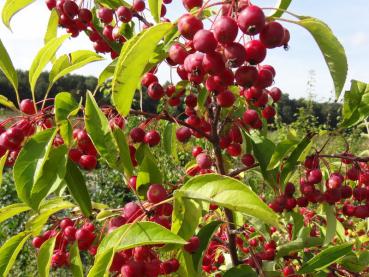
x,y
131,211
137,135
70,8
288,271
275,93
155,91
234,149
177,53
88,162
204,41
132,182
225,99
138,5
213,63
250,116
156,193
248,160
188,25
50,4
152,138
148,79
70,233
132,269
196,151
105,14
315,176
246,76
192,245
255,52
235,54
37,242
272,34
190,4
27,106
66,222
268,112
225,30
183,134
124,14
251,20
203,160
85,15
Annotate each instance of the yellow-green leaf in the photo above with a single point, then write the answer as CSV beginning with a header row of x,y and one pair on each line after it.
x,y
134,57
11,7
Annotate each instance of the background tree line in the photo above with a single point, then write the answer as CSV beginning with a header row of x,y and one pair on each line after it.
x,y
318,113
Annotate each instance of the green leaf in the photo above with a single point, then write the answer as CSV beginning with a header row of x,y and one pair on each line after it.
x,y
52,26
6,66
290,165
75,261
7,103
229,193
107,72
240,271
298,223
12,210
97,126
47,208
148,172
205,234
298,245
2,163
281,6
77,187
186,216
11,7
185,264
114,4
39,168
65,106
102,264
325,258
169,141
155,8
263,151
356,104
331,223
136,234
42,58
134,57
331,48
70,62
10,250
44,257
281,150
125,161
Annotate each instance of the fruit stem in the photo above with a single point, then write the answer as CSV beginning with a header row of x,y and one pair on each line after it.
x,y
170,119
221,170
242,169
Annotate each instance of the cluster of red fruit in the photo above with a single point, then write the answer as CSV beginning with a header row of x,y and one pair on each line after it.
x,y
66,233
204,161
76,19
12,138
337,189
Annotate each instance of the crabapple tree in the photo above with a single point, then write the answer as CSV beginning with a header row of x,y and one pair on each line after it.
x,y
239,204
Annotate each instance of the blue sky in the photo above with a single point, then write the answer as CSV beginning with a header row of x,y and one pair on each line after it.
x,y
347,19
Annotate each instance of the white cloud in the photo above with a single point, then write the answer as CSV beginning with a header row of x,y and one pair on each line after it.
x,y
359,39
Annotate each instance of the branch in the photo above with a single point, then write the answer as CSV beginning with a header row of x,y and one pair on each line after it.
x,y
171,119
242,169
350,158
141,18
